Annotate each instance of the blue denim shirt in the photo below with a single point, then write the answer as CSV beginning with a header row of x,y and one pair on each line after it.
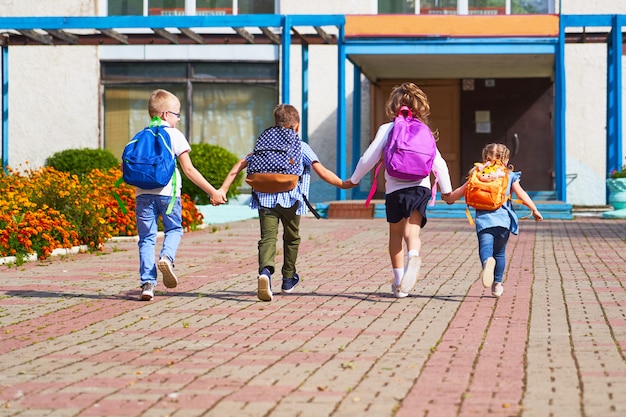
x,y
504,216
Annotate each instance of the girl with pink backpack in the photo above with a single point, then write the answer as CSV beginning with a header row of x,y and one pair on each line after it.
x,y
406,197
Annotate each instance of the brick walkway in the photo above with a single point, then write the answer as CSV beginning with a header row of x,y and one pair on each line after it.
x,y
76,342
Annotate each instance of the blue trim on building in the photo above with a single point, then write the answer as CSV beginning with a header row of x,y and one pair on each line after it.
x,y
560,154
393,46
341,111
5,108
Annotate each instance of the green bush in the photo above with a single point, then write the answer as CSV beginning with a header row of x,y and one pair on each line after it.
x,y
214,162
82,161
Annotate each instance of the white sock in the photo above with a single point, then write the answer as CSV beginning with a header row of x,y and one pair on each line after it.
x,y
398,273
413,253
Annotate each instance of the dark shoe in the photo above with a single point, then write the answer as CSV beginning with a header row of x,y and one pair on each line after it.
x,y
264,291
147,292
290,283
167,269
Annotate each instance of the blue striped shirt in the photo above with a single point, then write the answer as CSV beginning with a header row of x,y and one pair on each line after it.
x,y
287,199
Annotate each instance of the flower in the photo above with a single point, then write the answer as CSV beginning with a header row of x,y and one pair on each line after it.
x,y
618,174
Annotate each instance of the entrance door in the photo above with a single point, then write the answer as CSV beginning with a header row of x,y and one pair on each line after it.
x,y
444,117
518,113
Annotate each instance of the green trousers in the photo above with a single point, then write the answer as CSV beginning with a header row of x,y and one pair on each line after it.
x,y
269,219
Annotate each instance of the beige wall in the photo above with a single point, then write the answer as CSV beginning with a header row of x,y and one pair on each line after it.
x,y
585,118
47,7
328,7
53,91
591,7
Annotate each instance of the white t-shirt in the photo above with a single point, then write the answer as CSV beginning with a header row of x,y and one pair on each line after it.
x,y
374,153
179,146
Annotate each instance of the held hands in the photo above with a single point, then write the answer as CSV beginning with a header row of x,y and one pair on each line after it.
x,y
218,197
347,184
448,198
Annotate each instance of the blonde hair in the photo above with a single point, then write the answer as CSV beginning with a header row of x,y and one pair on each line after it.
x,y
410,95
497,151
286,115
160,101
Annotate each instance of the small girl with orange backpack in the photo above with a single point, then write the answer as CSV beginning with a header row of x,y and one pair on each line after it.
x,y
494,225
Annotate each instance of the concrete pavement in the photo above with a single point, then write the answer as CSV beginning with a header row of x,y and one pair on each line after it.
x,y
75,340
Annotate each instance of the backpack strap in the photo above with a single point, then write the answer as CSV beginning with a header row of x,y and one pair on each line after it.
x,y
374,183
306,201
156,122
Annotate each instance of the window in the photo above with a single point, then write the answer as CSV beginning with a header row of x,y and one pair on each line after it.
x,y
222,103
177,7
479,7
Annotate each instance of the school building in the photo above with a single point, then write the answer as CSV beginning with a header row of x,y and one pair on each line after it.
x,y
542,76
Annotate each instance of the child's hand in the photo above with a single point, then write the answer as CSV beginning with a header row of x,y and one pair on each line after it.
x,y
447,198
538,217
347,184
219,197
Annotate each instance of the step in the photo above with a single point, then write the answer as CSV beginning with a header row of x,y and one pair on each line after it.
x,y
355,209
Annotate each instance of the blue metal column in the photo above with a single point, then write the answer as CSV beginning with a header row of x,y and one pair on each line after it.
x,y
304,129
356,127
285,59
559,119
341,111
5,107
614,97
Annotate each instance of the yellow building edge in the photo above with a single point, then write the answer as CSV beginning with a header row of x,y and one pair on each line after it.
x,y
451,26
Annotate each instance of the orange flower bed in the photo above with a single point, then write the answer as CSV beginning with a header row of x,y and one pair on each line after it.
x,y
44,209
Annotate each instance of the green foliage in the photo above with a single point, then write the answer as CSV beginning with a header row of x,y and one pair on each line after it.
x,y
82,161
214,162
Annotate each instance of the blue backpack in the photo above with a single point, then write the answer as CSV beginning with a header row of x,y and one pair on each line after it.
x,y
275,165
148,160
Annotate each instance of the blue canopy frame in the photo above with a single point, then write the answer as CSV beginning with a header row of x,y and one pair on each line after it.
x,y
346,48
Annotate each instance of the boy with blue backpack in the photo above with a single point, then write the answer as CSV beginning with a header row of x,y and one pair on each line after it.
x,y
279,172
149,163
409,152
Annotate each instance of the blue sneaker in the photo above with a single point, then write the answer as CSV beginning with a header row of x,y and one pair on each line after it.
x,y
290,283
264,291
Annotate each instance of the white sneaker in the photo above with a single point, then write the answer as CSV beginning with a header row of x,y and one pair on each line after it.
x,y
264,290
167,269
409,279
486,275
395,290
147,292
497,289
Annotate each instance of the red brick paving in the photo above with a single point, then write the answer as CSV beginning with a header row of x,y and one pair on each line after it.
x,y
75,341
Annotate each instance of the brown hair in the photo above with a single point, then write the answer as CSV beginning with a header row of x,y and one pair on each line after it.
x,y
497,151
410,95
286,115
160,101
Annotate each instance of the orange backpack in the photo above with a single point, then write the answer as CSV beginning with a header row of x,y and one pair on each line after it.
x,y
487,187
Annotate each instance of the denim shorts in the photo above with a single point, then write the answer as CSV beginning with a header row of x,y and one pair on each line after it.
x,y
401,203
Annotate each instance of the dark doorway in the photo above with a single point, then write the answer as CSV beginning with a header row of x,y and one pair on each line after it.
x,y
516,112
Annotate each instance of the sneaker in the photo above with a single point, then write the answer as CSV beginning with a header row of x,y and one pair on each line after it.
x,y
486,275
410,275
395,290
167,269
264,291
497,289
290,283
147,292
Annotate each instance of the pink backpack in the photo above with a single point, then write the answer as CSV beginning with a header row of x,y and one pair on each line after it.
x,y
409,152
